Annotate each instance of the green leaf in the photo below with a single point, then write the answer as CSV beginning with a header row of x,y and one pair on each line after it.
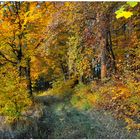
x,y
132,4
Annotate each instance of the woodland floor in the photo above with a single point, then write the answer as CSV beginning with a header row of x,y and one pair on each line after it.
x,y
61,120
67,122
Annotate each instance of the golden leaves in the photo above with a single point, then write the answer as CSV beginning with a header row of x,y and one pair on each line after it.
x,y
126,14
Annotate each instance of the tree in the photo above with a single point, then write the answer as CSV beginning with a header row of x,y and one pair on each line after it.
x,y
21,35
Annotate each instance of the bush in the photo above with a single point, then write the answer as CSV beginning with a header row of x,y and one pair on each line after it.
x,y
83,97
122,100
14,98
61,89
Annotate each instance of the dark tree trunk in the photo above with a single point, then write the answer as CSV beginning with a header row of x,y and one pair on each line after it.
x,y
65,70
28,77
19,60
111,51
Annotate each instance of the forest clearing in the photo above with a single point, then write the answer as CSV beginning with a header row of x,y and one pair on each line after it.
x,y
69,70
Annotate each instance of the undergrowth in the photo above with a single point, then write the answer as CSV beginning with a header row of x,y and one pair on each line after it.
x,y
111,108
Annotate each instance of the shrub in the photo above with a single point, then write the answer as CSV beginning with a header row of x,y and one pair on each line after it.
x,y
122,100
83,97
61,89
13,96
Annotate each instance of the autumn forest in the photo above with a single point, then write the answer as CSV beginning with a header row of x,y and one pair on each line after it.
x,y
70,70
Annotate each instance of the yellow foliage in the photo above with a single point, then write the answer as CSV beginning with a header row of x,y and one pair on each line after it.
x,y
13,95
83,97
125,14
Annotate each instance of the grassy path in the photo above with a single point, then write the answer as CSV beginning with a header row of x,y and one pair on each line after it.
x,y
64,121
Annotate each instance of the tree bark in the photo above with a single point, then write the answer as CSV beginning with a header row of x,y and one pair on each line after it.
x,y
103,60
112,53
28,77
19,59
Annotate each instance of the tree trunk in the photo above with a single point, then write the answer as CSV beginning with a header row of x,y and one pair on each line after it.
x,y
65,70
112,53
19,60
103,61
103,30
28,77
19,55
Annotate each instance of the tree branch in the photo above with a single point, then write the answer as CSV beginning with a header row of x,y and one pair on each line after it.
x,y
39,43
1,54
